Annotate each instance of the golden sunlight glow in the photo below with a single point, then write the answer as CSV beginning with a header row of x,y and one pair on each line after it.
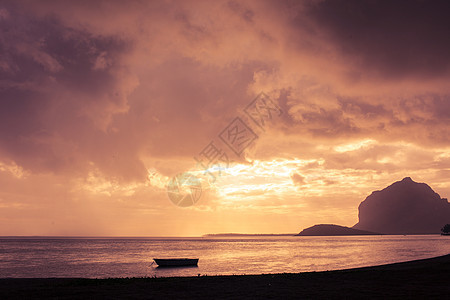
x,y
354,146
97,184
13,169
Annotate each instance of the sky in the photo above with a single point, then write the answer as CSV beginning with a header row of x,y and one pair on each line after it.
x,y
110,110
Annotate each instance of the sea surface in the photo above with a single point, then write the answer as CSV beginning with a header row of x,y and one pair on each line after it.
x,y
133,257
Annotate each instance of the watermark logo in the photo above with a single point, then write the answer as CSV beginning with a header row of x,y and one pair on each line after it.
x,y
212,160
186,189
261,109
238,136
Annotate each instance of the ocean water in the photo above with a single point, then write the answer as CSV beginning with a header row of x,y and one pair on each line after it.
x,y
133,257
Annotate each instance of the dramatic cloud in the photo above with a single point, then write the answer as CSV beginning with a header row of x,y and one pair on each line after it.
x,y
102,103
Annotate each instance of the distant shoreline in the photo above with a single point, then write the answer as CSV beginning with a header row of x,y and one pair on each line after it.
x,y
246,234
422,278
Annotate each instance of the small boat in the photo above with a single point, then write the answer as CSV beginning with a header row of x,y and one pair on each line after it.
x,y
445,233
176,262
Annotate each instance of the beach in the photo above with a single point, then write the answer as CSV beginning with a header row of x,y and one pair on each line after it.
x,y
426,278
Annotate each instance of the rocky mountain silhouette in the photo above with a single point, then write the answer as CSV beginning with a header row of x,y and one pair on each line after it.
x,y
405,207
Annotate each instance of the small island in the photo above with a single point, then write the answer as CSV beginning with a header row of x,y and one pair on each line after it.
x,y
333,230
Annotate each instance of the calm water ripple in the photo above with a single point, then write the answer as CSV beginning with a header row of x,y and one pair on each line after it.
x,y
133,257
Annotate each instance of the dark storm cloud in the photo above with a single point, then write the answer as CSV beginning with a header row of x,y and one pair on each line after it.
x,y
400,38
53,81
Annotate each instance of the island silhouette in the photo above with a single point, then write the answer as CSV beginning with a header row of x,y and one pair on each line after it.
x,y
404,207
331,229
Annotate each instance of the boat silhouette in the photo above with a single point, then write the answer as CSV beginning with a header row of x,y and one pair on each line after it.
x,y
176,262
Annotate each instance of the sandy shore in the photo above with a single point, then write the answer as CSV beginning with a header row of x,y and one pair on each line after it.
x,y
428,278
